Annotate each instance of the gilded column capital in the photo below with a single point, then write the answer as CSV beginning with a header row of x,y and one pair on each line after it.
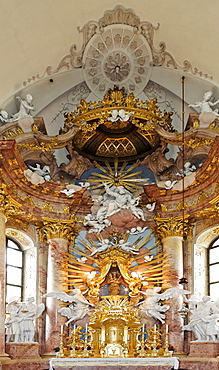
x,y
173,226
56,228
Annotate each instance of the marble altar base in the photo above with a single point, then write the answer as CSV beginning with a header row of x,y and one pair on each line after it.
x,y
204,349
160,363
33,364
22,350
199,363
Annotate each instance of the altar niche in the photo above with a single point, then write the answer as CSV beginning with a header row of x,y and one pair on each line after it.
x,y
115,305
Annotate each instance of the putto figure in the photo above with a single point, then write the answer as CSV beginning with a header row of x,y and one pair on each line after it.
x,y
205,105
24,111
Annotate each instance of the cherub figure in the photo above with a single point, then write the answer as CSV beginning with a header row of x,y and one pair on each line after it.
x,y
124,246
205,105
119,115
104,245
78,308
43,172
96,225
4,116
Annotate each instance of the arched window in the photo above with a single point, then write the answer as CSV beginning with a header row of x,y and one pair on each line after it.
x,y
213,264
14,270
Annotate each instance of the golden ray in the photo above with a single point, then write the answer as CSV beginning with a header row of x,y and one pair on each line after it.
x,y
102,168
88,246
144,241
123,167
137,240
131,174
116,163
100,175
130,169
91,241
116,176
81,250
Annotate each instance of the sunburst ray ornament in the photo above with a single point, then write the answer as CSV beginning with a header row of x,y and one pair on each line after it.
x,y
116,176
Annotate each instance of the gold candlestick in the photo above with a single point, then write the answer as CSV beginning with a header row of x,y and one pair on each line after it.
x,y
86,352
72,345
166,350
61,346
142,350
154,343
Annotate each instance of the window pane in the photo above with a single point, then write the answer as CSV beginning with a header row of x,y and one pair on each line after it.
x,y
13,291
214,255
214,291
214,272
12,244
216,242
14,275
14,257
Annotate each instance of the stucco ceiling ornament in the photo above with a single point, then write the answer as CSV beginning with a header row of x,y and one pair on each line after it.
x,y
118,55
117,49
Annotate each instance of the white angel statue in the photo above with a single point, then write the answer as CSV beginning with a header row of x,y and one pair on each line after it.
x,y
105,244
43,172
25,107
152,307
203,321
4,116
78,308
119,115
205,105
125,247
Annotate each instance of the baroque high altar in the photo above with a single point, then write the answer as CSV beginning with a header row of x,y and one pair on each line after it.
x,y
115,223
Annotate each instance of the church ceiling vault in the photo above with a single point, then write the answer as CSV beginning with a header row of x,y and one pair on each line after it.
x,y
115,106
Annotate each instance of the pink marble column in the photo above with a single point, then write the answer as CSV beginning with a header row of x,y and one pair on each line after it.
x,y
54,321
2,285
42,284
173,247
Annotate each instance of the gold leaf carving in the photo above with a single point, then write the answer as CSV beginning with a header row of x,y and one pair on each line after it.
x,y
47,207
172,226
194,143
28,200
56,228
202,197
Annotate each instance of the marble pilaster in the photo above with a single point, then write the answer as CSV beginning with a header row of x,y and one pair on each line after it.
x,y
171,232
57,233
54,321
172,246
2,284
42,289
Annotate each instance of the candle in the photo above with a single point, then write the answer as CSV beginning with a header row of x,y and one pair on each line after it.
x,y
143,328
86,328
166,328
61,329
155,328
74,329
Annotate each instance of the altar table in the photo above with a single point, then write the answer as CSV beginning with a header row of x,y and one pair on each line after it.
x,y
152,363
